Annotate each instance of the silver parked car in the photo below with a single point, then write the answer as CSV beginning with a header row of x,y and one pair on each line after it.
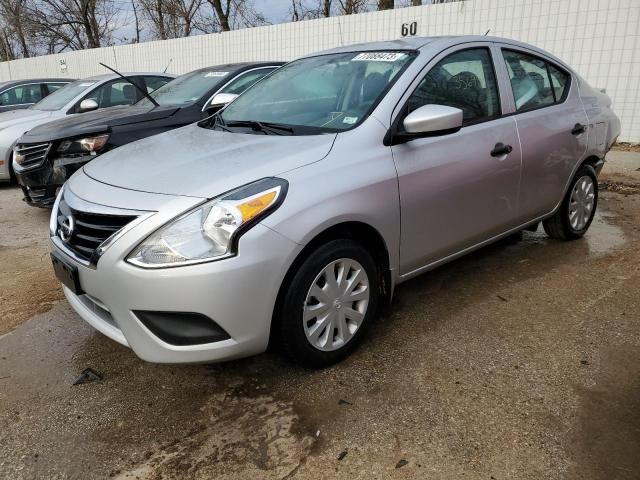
x,y
21,94
81,96
289,216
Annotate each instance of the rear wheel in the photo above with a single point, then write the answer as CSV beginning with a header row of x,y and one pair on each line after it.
x,y
576,213
329,303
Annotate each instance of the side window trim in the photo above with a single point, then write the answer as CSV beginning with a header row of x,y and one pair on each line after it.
x,y
222,87
514,48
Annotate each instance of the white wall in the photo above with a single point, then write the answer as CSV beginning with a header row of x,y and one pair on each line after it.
x,y
600,39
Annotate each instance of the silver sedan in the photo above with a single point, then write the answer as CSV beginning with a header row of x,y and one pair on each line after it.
x,y
291,215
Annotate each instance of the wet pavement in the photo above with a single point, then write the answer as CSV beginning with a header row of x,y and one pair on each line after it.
x,y
521,360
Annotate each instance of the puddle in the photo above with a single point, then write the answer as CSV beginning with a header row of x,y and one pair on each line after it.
x,y
603,237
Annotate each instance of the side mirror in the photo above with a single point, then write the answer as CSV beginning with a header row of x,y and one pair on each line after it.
x,y
88,105
220,100
433,119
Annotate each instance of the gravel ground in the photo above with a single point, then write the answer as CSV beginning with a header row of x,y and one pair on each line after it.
x,y
521,360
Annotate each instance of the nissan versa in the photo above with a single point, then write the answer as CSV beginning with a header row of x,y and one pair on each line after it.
x,y
291,214
73,141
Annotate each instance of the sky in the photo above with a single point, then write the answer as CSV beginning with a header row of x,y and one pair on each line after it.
x,y
275,11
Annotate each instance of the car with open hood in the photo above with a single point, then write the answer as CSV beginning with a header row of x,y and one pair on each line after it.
x,y
74,141
77,97
289,217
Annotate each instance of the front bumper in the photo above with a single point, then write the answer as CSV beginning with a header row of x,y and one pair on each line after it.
x,y
40,185
238,293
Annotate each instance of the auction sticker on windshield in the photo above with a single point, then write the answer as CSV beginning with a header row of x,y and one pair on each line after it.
x,y
216,74
378,57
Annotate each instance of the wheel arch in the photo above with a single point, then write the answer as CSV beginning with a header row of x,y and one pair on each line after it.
x,y
363,233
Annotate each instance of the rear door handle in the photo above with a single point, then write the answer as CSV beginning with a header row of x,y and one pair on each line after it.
x,y
501,149
578,128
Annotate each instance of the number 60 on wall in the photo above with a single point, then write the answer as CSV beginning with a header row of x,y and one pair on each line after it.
x,y
409,29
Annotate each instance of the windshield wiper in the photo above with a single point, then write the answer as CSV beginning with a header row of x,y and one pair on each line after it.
x,y
140,89
261,126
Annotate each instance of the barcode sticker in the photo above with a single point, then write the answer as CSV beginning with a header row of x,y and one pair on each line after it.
x,y
216,74
378,57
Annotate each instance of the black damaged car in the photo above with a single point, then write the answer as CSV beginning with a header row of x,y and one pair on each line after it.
x,y
76,140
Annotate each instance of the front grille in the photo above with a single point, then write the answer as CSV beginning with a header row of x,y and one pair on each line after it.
x,y
89,230
31,155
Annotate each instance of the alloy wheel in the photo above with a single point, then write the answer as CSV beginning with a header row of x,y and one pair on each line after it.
x,y
581,203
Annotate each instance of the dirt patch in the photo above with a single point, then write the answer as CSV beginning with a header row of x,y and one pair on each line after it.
x,y
625,188
241,437
27,286
627,147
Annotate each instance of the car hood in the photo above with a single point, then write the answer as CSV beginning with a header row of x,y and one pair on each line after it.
x,y
198,162
15,117
96,122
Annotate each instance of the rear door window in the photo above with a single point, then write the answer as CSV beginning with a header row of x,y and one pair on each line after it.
x,y
21,95
535,82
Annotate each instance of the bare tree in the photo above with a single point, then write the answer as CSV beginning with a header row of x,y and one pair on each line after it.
x,y
75,24
134,9
351,7
222,13
171,18
16,28
385,4
301,10
231,14
326,8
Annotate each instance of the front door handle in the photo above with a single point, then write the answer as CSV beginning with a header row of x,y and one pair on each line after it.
x,y
501,149
578,128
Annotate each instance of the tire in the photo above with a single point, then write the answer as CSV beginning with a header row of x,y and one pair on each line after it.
x,y
334,324
12,175
567,225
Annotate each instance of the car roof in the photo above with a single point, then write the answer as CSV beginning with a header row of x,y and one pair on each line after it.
x,y
232,67
13,83
111,76
434,44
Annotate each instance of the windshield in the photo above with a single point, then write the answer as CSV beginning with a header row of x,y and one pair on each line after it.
x,y
62,96
187,89
328,93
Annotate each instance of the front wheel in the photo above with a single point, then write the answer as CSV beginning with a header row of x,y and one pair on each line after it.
x,y
576,213
329,303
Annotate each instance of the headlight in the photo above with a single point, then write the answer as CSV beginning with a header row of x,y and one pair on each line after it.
x,y
84,145
210,231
